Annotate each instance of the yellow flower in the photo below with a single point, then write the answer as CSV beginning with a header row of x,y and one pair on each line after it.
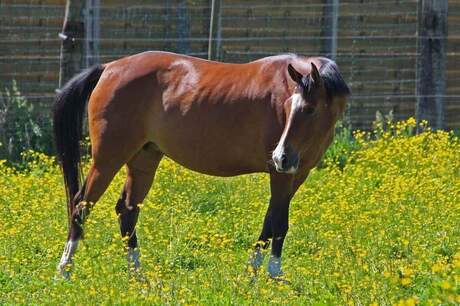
x,y
412,301
437,267
405,281
411,121
445,285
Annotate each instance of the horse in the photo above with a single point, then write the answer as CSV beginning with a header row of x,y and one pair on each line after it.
x,y
275,115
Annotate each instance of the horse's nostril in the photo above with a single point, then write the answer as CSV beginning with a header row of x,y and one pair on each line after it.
x,y
284,161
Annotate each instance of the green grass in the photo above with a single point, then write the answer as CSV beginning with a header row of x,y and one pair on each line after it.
x,y
384,229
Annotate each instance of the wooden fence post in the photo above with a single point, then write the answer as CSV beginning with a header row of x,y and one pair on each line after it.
x,y
431,47
329,29
214,30
92,32
73,31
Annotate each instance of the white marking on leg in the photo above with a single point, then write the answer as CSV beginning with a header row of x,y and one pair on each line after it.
x,y
274,266
133,259
66,258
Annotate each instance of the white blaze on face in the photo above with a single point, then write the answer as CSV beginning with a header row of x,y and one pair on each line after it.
x,y
276,156
296,103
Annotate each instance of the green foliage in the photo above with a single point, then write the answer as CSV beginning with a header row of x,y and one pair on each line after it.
x,y
22,126
341,148
345,141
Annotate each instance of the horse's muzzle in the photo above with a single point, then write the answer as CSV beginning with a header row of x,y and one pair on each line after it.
x,y
285,160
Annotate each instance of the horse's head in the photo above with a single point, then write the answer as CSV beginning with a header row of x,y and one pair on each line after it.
x,y
311,113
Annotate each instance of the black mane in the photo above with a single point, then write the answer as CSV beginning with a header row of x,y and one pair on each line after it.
x,y
333,80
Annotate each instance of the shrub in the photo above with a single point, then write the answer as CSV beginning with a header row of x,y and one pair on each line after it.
x,y
341,148
22,126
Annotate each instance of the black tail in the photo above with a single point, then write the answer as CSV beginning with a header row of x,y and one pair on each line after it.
x,y
68,112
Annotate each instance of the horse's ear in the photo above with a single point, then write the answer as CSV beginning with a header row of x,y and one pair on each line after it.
x,y
314,74
295,75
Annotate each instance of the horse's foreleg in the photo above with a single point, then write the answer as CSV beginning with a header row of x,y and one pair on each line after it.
x,y
283,188
141,171
275,223
279,226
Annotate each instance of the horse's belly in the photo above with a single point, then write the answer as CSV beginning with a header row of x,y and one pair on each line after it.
x,y
211,148
212,159
223,168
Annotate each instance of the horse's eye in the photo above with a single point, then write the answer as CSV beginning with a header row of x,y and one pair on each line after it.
x,y
308,110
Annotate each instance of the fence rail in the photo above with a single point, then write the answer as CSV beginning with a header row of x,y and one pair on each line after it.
x,y
375,43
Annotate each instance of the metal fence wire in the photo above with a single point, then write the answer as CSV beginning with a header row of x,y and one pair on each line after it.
x,y
375,42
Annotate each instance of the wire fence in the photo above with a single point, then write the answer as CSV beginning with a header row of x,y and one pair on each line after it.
x,y
375,44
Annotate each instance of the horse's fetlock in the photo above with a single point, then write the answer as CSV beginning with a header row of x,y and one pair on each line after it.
x,y
261,244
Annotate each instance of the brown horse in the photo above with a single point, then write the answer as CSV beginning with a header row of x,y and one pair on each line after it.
x,y
215,118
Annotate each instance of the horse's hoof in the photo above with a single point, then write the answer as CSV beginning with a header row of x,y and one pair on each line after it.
x,y
274,267
66,275
64,270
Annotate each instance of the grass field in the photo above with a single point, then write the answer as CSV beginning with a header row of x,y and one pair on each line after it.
x,y
383,229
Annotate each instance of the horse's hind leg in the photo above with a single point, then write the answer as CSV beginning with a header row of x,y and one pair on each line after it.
x,y
96,182
141,171
108,159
